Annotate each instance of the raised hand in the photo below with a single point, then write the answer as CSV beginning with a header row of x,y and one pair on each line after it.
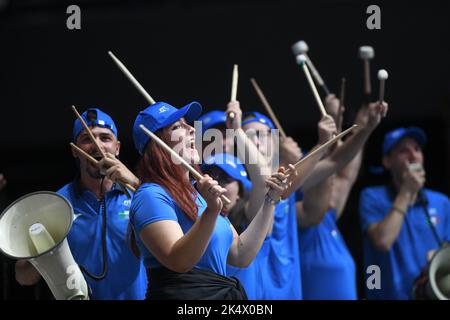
x,y
211,192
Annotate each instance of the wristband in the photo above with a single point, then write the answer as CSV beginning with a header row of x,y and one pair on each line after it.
x,y
269,200
394,208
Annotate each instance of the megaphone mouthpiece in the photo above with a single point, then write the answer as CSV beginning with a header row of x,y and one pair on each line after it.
x,y
301,59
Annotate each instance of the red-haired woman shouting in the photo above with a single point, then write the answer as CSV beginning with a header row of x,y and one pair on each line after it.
x,y
184,240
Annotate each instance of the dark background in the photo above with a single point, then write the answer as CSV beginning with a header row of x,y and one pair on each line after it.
x,y
184,50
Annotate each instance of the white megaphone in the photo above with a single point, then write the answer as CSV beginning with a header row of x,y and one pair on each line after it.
x,y
35,228
438,286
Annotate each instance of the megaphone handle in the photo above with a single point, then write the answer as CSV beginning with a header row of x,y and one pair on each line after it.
x,y
104,248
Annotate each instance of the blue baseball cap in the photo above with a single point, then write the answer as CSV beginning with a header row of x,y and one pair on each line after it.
x,y
96,118
231,165
160,115
392,138
212,119
257,117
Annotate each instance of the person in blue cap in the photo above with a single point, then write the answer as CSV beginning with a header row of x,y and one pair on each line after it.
x,y
97,238
231,174
184,240
402,221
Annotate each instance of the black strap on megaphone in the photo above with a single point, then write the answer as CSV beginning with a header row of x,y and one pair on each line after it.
x,y
424,202
104,248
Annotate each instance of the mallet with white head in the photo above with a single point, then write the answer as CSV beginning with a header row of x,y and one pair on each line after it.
x,y
366,53
301,47
382,76
302,61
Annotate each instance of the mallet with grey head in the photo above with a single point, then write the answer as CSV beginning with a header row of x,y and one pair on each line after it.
x,y
301,47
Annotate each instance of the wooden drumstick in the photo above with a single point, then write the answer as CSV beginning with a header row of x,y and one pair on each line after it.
x,y
301,47
301,60
183,162
234,84
366,53
382,76
133,80
94,161
268,107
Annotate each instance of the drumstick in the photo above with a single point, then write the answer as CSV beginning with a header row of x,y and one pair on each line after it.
x,y
183,162
301,60
366,53
324,146
89,132
341,106
234,85
130,77
267,106
84,154
301,47
382,76
94,161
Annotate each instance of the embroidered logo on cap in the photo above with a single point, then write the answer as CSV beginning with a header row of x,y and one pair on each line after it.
x,y
232,164
163,109
127,202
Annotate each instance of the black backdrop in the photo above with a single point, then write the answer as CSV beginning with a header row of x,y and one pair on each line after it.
x,y
184,50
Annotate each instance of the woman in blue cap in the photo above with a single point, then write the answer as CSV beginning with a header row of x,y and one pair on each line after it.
x,y
179,231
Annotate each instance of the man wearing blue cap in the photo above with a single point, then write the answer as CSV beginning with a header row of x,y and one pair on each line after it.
x,y
402,221
97,238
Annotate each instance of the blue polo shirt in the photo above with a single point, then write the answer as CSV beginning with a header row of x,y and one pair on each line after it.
x,y
403,263
152,203
328,268
280,263
126,277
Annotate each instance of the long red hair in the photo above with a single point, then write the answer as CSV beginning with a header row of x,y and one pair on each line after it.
x,y
156,166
